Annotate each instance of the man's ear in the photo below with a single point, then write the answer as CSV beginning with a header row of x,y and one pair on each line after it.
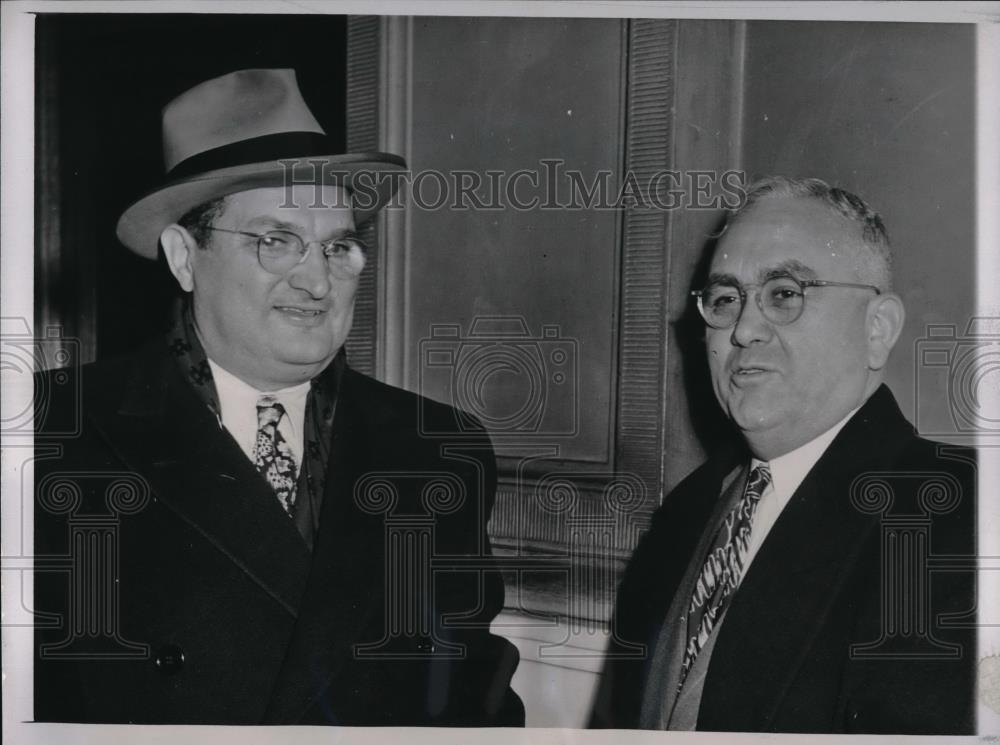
x,y
885,322
179,247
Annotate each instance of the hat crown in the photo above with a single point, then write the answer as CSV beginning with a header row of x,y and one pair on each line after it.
x,y
232,108
249,129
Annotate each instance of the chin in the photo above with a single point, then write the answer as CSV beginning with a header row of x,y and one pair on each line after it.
x,y
756,416
307,354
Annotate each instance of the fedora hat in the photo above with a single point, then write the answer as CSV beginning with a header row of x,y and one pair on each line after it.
x,y
230,134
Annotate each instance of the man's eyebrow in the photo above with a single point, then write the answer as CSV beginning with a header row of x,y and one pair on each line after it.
x,y
790,267
274,224
722,279
271,223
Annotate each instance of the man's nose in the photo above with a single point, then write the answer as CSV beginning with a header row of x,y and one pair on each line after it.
x,y
312,274
751,326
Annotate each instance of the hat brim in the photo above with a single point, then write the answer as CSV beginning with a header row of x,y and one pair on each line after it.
x,y
368,176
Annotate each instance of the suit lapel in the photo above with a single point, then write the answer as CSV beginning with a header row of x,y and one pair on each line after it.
x,y
194,467
660,693
792,584
343,595
783,600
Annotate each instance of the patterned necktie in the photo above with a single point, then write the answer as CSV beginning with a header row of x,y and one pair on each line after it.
x,y
271,453
723,568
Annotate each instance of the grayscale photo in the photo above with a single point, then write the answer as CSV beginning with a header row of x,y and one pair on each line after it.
x,y
453,367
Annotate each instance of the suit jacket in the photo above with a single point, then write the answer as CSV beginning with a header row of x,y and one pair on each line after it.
x,y
171,587
834,574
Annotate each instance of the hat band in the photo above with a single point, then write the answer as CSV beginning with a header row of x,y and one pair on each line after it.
x,y
261,149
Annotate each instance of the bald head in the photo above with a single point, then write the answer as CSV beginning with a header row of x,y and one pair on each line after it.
x,y
785,378
863,229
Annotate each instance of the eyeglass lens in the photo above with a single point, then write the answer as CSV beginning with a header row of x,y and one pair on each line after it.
x,y
781,301
279,251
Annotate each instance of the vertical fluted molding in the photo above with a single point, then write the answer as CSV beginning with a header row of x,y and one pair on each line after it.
x,y
363,55
648,150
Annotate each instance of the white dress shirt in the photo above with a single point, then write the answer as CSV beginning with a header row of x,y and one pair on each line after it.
x,y
787,472
238,401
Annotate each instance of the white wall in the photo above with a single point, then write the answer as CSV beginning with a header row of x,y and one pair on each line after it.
x,y
559,669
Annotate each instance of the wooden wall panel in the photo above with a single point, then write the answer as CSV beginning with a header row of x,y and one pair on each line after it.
x,y
892,119
538,285
597,93
708,96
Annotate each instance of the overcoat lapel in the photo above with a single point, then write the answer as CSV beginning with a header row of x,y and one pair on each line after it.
x,y
194,467
343,595
792,584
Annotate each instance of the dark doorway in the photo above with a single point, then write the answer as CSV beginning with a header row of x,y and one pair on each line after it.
x,y
101,82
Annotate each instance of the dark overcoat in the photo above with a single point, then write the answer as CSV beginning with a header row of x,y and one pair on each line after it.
x,y
172,588
856,615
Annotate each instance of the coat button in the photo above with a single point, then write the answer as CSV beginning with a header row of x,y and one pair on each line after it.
x,y
170,659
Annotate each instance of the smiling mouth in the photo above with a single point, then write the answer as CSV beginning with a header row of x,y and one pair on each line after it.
x,y
302,312
749,374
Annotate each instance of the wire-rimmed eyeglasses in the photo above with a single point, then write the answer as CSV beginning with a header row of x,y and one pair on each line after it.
x,y
278,251
781,299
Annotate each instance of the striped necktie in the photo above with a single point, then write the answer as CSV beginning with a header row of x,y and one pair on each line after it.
x,y
271,454
723,568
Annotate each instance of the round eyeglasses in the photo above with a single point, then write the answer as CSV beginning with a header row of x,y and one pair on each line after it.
x,y
780,299
278,251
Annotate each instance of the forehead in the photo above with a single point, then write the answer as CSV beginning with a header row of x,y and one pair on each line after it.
x,y
311,209
780,232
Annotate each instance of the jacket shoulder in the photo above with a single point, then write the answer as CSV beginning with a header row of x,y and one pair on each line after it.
x,y
432,419
63,396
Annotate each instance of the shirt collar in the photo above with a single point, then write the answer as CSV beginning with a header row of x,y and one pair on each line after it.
x,y
790,469
238,399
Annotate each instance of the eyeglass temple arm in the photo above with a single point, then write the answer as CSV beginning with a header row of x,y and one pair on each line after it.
x,y
816,283
829,283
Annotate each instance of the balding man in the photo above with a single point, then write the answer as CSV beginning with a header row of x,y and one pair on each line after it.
x,y
770,593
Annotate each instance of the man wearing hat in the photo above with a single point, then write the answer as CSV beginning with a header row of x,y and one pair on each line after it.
x,y
257,534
